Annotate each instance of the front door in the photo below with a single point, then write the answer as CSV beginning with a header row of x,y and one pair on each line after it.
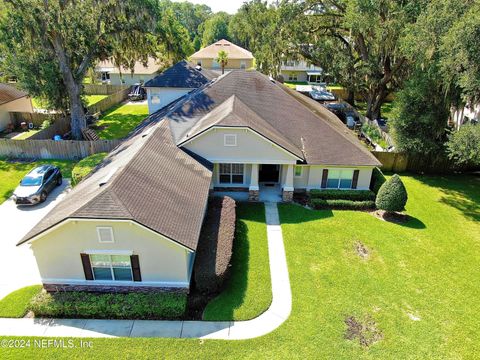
x,y
269,173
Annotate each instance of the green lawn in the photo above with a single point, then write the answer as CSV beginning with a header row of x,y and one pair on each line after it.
x,y
248,291
386,108
26,134
12,172
120,120
419,285
93,99
15,305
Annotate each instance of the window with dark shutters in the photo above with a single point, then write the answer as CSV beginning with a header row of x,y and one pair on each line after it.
x,y
87,268
355,179
137,276
324,178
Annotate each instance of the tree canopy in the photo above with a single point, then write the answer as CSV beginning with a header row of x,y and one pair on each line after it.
x,y
216,28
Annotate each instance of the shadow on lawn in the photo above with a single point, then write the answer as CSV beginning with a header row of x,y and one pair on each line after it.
x,y
296,214
459,191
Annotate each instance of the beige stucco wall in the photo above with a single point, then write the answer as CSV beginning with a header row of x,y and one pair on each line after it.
x,y
301,75
4,119
232,63
165,96
129,79
162,262
251,148
23,104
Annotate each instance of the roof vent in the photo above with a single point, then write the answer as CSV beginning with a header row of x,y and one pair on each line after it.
x,y
107,177
198,67
147,132
271,79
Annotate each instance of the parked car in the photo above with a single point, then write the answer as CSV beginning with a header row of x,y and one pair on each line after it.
x,y
345,113
322,95
37,184
138,93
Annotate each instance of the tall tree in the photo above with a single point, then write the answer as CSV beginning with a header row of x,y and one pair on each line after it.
x,y
54,43
216,28
222,59
366,36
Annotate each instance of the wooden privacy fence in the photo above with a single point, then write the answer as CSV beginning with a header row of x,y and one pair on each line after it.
x,y
430,164
50,149
112,100
103,89
59,127
37,118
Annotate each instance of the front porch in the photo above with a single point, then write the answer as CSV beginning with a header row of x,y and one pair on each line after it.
x,y
254,182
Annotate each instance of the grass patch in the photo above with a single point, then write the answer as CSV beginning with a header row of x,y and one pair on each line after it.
x,y
15,304
386,110
118,122
109,306
12,172
419,287
85,166
293,85
93,99
26,134
248,291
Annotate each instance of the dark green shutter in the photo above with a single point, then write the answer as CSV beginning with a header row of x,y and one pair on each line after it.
x,y
324,178
355,179
137,276
87,268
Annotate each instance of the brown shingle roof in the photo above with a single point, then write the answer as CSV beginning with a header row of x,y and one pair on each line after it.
x,y
320,135
9,93
233,51
148,180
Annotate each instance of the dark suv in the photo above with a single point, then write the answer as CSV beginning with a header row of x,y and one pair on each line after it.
x,y
37,184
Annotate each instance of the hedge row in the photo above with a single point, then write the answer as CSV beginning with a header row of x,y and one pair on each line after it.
x,y
109,306
354,195
342,204
214,250
377,180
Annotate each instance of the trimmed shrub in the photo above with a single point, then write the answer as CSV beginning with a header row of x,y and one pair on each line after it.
x,y
85,166
214,250
392,195
377,180
354,195
342,204
77,304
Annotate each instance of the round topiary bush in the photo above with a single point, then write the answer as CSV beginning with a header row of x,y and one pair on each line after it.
x,y
392,195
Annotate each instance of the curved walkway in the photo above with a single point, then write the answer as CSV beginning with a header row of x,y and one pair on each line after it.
x,y
271,319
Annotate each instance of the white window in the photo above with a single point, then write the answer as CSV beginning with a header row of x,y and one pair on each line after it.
x,y
230,140
292,77
243,64
339,179
111,267
298,171
105,234
155,98
230,173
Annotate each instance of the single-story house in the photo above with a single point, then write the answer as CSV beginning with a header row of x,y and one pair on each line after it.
x,y
12,100
136,221
175,82
238,57
108,73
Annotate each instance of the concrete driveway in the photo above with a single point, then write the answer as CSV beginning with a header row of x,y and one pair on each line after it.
x,y
17,264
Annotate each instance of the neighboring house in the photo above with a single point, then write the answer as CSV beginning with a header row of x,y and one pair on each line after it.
x,y
238,57
136,221
469,114
12,100
108,73
301,71
175,82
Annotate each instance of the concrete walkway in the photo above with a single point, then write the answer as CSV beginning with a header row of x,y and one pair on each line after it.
x,y
271,319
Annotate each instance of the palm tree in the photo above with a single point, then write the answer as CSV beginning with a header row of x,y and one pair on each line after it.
x,y
222,59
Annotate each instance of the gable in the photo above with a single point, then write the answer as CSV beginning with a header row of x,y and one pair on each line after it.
x,y
216,145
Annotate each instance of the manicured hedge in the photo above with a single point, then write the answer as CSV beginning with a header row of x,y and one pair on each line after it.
x,y
85,166
354,195
392,195
109,306
342,204
377,180
214,251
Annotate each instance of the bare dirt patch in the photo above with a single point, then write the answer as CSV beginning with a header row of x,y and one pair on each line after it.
x,y
393,217
365,330
361,250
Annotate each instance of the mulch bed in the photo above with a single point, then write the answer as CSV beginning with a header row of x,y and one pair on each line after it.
x,y
393,217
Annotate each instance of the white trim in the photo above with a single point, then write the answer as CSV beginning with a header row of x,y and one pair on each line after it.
x,y
214,127
108,252
36,237
230,184
110,229
251,161
231,136
177,284
288,188
253,188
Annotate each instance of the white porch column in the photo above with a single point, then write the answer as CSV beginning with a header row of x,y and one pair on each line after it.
x,y
253,188
287,194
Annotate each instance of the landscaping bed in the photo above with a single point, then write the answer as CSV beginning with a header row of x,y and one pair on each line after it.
x,y
148,306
